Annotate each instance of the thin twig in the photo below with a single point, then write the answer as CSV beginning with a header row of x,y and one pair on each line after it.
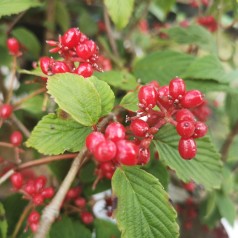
x,y
19,124
18,17
9,145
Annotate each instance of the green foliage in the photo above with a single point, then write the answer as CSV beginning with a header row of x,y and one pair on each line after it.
x,y
130,101
3,222
231,103
54,135
207,159
62,15
69,228
106,229
16,6
119,11
164,5
143,208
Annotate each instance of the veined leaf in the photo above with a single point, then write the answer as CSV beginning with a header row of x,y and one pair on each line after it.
x,y
53,135
143,208
130,101
204,169
106,229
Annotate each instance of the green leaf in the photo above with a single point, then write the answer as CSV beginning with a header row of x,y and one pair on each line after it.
x,y
204,169
231,103
106,95
8,8
28,40
162,66
193,34
69,228
35,72
33,105
165,5
143,208
77,96
62,15
119,11
3,222
106,229
130,101
60,168
207,67
53,135
118,79
226,208
87,23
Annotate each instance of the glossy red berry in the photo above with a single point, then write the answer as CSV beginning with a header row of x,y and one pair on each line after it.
x,y
147,96
34,217
80,202
107,167
155,84
200,129
189,186
38,199
30,188
46,64
34,227
105,151
192,98
87,217
13,46
40,183
127,152
86,50
60,67
48,192
163,97
139,127
6,111
115,131
17,180
16,138
185,129
187,148
184,115
73,193
71,38
85,70
93,139
177,88
143,156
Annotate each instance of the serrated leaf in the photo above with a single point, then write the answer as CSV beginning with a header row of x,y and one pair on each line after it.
x,y
53,135
231,103
162,66
207,67
130,101
62,15
69,228
28,40
77,96
8,8
119,11
204,169
143,208
3,222
193,34
106,229
118,79
106,95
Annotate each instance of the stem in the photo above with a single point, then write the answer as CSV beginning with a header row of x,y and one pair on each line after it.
x,y
31,95
15,21
228,142
2,87
5,144
21,220
19,124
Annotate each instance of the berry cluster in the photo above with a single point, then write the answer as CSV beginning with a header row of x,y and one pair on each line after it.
x,y
14,47
208,22
80,55
33,220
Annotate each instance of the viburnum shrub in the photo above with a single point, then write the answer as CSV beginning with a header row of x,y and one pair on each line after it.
x,y
118,118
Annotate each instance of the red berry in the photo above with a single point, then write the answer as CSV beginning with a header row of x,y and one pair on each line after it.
x,y
200,130
163,97
139,127
17,180
85,70
46,64
155,84
185,129
60,67
71,38
34,227
187,148
177,88
40,183
80,202
115,131
184,115
109,175
34,217
13,46
48,192
147,96
93,139
192,98
144,156
30,188
16,138
86,50
87,217
127,152
105,151
107,167
38,199
73,193
6,111
189,186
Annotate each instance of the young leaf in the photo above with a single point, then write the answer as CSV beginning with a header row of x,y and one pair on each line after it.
x,y
53,135
119,11
3,222
143,208
106,229
130,101
35,72
106,95
204,169
69,228
77,96
8,8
